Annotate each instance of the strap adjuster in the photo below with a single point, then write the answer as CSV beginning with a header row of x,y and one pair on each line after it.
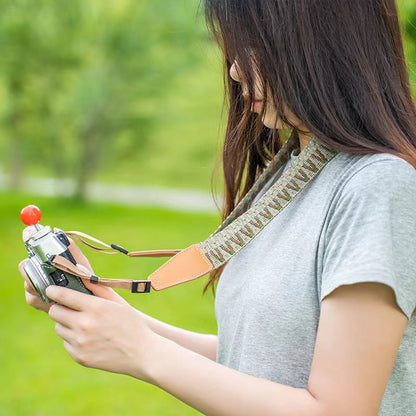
x,y
94,279
135,285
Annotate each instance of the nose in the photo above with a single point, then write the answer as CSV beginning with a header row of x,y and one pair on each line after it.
x,y
234,72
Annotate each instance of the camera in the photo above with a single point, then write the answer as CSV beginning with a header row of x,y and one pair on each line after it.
x,y
42,247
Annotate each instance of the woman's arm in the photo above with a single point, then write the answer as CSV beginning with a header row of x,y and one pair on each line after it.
x,y
217,390
359,334
203,344
98,333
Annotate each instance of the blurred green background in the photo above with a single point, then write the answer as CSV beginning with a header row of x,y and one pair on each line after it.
x,y
116,92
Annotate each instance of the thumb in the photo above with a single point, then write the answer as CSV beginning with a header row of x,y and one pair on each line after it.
x,y
28,232
102,291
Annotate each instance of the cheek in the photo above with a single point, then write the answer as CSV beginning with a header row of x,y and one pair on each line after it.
x,y
269,118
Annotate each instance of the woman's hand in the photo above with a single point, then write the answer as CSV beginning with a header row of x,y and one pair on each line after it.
x,y
33,299
102,333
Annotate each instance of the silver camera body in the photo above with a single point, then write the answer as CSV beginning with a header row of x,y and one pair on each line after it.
x,y
42,247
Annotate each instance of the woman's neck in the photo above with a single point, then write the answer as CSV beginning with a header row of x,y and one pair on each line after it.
x,y
304,139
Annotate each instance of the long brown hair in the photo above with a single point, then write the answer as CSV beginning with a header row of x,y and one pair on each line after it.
x,y
338,65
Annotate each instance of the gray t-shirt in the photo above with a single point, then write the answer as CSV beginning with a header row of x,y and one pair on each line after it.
x,y
355,222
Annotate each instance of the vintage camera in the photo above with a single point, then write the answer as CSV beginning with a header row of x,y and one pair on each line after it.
x,y
42,247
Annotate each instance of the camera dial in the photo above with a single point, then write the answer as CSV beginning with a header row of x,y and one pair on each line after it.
x,y
30,215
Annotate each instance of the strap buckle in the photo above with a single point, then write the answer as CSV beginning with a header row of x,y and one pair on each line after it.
x,y
135,286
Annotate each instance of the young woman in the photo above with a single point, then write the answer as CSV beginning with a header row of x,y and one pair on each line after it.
x,y
315,315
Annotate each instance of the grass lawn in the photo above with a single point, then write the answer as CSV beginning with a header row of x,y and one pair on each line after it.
x,y
38,377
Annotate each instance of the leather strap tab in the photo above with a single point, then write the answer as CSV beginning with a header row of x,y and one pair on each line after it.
x,y
187,265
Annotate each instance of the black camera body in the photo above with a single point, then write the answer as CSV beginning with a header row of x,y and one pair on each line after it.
x,y
42,247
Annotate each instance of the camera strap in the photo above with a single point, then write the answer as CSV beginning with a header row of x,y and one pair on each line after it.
x,y
243,224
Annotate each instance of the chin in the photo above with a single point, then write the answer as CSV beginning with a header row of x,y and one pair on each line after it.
x,y
272,124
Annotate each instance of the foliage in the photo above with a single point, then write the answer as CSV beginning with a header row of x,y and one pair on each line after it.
x,y
117,91
82,81
408,23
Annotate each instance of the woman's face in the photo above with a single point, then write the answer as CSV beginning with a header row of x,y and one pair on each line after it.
x,y
269,118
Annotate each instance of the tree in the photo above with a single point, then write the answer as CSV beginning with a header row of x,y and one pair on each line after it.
x,y
78,75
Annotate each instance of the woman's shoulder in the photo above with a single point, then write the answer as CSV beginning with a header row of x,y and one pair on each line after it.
x,y
376,161
378,171
372,181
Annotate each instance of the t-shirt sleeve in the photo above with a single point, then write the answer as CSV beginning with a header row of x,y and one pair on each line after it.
x,y
371,231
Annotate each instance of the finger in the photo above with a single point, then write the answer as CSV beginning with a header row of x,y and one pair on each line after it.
x,y
104,292
65,333
22,270
71,298
63,315
36,302
28,232
28,284
71,350
30,289
79,255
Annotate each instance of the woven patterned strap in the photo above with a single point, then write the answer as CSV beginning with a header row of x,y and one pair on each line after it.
x,y
229,240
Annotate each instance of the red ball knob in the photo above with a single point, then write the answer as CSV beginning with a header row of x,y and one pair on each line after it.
x,y
30,215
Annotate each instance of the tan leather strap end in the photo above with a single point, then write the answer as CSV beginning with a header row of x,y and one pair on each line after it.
x,y
187,265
